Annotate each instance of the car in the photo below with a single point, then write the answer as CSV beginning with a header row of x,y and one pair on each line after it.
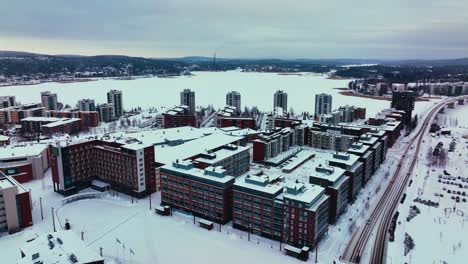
x,y
368,222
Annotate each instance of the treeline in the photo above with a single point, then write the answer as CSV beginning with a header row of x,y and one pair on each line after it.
x,y
406,74
102,66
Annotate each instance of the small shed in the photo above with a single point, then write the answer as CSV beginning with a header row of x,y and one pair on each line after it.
x,y
205,224
299,253
163,210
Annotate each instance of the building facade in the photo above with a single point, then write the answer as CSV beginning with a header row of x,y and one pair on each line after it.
x,y
15,205
323,104
187,97
129,168
49,100
114,97
204,193
86,105
234,99
280,99
106,113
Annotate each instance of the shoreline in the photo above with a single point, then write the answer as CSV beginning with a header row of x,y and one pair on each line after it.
x,y
347,92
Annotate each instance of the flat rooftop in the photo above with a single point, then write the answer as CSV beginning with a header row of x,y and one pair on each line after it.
x,y
222,154
168,154
269,184
21,151
303,192
65,243
61,122
215,174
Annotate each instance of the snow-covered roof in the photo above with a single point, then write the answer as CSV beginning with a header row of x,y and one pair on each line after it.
x,y
21,151
63,243
214,174
221,154
61,122
269,184
305,193
168,154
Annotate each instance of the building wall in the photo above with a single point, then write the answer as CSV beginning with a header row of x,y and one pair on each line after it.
x,y
170,121
24,210
237,122
202,199
258,151
256,214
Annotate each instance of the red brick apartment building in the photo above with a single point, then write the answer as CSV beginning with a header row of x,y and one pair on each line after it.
x,y
31,127
129,168
205,193
14,114
88,118
178,117
15,205
228,117
298,217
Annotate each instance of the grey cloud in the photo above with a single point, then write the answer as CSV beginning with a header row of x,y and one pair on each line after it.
x,y
242,28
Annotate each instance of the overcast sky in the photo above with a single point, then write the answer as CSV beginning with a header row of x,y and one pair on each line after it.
x,y
392,29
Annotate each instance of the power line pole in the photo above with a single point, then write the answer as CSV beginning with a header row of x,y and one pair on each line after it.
x,y
150,201
53,219
40,204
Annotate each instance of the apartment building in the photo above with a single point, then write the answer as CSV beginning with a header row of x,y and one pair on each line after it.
x,y
178,116
333,140
14,114
336,185
233,158
15,205
354,170
205,193
305,214
115,98
258,205
129,168
88,118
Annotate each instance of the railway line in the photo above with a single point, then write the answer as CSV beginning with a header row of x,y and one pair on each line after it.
x,y
382,213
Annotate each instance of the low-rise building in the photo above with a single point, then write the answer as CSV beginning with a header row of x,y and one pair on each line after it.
x,y
88,118
178,117
32,127
14,114
24,162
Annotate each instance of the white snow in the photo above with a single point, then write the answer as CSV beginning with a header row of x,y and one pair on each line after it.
x,y
438,233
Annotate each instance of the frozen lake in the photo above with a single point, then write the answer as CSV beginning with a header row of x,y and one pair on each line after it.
x,y
210,87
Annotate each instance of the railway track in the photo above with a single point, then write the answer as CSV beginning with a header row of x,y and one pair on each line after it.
x,y
383,211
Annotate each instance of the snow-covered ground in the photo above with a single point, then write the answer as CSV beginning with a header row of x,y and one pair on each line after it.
x,y
210,88
157,239
438,233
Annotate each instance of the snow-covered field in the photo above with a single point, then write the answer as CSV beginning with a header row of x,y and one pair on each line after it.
x,y
438,233
210,87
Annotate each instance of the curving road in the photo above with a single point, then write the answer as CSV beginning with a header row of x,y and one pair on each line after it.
x,y
382,212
